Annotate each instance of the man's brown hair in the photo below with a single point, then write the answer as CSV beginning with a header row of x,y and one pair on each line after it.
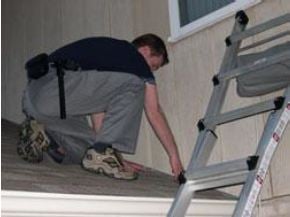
x,y
155,43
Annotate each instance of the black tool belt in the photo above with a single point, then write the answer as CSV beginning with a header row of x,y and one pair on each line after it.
x,y
39,65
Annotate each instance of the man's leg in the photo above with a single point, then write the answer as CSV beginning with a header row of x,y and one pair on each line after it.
x,y
119,130
97,121
73,135
86,93
122,119
67,139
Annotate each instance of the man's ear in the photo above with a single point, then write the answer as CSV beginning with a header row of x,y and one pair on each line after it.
x,y
145,50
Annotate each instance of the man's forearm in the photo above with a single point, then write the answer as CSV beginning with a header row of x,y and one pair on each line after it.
x,y
162,130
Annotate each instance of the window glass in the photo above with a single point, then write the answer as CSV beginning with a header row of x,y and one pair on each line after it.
x,y
191,10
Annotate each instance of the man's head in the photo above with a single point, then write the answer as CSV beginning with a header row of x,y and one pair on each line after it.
x,y
153,50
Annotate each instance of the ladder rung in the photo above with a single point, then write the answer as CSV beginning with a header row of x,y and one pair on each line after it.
x,y
248,111
261,63
221,175
260,28
280,35
223,169
220,181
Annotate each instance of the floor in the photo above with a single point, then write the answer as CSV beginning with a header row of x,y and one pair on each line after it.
x,y
47,176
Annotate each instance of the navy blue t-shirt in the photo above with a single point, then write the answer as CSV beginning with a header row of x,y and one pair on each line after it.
x,y
105,54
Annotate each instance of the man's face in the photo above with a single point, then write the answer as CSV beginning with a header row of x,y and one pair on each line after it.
x,y
154,61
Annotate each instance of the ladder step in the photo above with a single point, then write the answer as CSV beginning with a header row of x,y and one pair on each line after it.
x,y
248,111
218,181
248,163
280,35
221,175
261,63
260,28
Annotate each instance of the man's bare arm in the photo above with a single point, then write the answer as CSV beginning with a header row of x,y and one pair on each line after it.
x,y
160,126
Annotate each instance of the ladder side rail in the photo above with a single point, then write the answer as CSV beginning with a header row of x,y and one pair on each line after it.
x,y
219,91
202,150
216,102
244,112
258,64
276,124
217,99
181,201
184,195
261,42
259,28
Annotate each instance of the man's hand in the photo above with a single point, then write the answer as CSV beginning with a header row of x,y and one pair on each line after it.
x,y
132,166
176,166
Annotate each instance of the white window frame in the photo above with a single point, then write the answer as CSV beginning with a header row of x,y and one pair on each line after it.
x,y
178,33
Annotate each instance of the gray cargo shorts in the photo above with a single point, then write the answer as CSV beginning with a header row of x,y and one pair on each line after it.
x,y
120,95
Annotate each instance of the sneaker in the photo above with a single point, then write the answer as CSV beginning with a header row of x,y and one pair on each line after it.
x,y
33,141
107,163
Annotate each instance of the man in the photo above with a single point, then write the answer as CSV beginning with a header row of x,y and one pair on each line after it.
x,y
113,84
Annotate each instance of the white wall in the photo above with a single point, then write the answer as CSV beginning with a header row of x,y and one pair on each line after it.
x,y
33,26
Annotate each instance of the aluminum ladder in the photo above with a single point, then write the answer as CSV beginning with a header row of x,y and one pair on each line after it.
x,y
251,171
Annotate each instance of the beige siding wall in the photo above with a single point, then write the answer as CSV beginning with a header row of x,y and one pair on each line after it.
x,y
33,26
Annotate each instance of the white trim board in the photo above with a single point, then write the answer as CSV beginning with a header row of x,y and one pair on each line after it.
x,y
178,33
20,204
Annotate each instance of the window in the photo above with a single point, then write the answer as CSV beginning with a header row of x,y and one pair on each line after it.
x,y
190,16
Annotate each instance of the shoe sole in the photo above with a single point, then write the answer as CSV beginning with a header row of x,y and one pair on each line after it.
x,y
103,172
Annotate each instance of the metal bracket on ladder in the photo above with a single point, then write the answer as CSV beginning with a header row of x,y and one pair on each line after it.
x,y
250,171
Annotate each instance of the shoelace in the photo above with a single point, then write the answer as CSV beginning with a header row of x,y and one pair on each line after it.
x,y
118,156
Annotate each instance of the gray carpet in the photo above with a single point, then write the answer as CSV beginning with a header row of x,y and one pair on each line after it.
x,y
48,176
